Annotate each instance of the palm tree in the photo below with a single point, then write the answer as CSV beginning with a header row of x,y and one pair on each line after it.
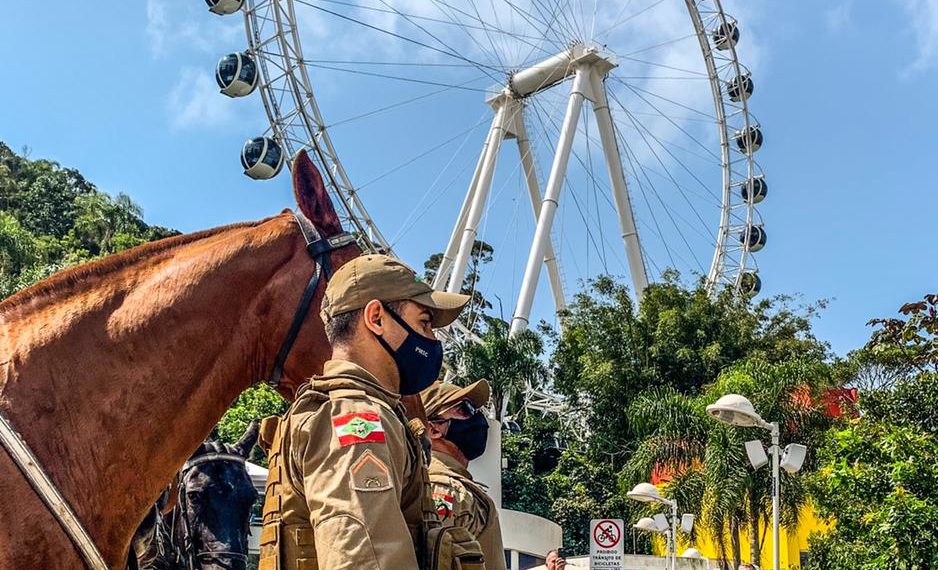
x,y
510,364
705,460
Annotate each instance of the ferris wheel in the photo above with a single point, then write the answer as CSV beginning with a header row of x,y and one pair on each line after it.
x,y
665,164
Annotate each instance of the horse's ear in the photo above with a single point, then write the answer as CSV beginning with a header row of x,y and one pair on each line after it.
x,y
312,198
248,439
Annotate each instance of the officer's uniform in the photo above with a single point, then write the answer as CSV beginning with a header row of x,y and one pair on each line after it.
x,y
347,488
343,489
460,501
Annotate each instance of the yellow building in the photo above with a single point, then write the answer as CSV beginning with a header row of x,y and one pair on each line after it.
x,y
794,545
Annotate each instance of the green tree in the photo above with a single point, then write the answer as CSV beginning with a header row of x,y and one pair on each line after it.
x,y
510,364
879,484
257,402
610,351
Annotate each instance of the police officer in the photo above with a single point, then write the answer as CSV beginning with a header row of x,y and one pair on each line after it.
x,y
458,431
346,487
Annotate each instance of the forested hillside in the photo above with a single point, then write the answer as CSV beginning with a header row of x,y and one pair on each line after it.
x,y
51,217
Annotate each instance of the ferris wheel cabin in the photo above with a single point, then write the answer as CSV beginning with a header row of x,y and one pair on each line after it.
x,y
224,7
236,74
754,237
262,158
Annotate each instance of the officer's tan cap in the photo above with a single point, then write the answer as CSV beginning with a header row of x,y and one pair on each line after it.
x,y
441,395
385,278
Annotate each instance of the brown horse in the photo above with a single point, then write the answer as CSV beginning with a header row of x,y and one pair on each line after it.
x,y
114,372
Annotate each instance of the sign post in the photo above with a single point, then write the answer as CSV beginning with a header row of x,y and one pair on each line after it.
x,y
607,550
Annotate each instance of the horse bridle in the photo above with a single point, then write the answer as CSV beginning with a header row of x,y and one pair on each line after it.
x,y
187,553
319,249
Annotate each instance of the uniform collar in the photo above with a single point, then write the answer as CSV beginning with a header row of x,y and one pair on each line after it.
x,y
450,463
338,374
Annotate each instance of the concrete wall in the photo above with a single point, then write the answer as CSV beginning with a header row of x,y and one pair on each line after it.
x,y
638,562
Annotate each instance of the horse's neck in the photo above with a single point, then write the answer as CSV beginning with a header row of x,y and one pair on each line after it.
x,y
114,386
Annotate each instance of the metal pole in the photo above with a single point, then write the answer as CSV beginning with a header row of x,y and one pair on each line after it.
x,y
478,200
534,191
674,535
620,191
545,218
442,272
776,539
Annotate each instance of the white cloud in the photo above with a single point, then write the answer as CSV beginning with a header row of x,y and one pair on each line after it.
x,y
157,26
174,26
923,16
194,102
838,17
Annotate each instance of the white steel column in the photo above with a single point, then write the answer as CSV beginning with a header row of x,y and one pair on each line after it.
x,y
530,175
442,272
480,195
545,217
620,190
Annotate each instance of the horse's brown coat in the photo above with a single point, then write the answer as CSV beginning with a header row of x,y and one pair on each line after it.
x,y
113,373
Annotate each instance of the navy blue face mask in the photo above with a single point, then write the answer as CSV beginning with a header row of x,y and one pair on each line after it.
x,y
469,435
419,359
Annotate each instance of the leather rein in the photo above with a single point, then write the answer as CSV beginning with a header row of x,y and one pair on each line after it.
x,y
319,249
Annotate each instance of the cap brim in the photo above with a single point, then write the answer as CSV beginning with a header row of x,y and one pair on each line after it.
x,y
446,306
477,393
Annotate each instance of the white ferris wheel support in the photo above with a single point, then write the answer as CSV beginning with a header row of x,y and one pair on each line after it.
x,y
588,67
296,123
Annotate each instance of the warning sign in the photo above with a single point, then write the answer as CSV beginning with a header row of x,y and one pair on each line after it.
x,y
606,548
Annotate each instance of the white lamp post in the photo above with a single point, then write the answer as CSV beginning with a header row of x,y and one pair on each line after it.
x,y
737,410
648,493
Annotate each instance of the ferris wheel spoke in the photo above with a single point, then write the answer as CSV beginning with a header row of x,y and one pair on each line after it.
x,y
488,69
644,133
664,145
622,20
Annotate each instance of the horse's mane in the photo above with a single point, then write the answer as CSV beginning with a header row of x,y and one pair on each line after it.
x,y
68,278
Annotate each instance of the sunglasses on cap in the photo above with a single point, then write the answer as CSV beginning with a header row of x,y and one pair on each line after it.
x,y
461,410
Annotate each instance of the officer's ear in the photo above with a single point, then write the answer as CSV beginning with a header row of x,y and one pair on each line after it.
x,y
436,430
373,317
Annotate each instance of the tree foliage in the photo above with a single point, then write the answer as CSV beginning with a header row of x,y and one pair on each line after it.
x,y
610,351
510,364
52,217
878,481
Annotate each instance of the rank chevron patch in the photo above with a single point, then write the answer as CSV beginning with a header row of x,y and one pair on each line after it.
x,y
359,427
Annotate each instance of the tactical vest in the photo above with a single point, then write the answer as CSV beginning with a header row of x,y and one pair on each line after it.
x,y
287,541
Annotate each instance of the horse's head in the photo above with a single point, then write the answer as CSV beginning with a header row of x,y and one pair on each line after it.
x,y
216,499
311,348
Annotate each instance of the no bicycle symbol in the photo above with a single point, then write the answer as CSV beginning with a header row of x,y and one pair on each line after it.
x,y
607,534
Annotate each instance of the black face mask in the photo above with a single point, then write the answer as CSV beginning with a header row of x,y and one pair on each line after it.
x,y
418,359
469,435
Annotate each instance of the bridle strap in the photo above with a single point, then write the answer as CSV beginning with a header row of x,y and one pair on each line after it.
x,y
208,457
319,249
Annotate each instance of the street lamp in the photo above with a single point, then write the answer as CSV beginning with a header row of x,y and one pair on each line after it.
x,y
648,524
737,410
648,493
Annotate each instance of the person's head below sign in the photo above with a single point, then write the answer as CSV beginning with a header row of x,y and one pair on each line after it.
x,y
380,315
555,561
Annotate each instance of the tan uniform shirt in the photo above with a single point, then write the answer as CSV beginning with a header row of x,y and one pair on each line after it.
x,y
460,501
352,466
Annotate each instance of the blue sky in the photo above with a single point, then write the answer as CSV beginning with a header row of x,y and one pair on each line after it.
x,y
844,91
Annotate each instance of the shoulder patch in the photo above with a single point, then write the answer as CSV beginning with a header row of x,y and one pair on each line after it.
x,y
444,503
370,473
358,427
